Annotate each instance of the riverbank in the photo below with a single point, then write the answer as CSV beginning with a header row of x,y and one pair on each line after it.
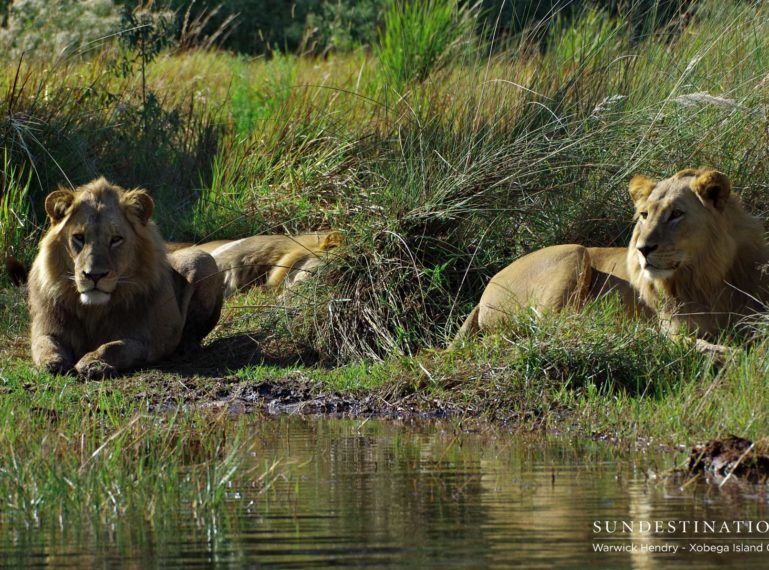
x,y
594,374
180,436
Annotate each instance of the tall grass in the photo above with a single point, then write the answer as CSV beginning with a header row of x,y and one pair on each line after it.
x,y
66,122
112,463
17,226
487,161
419,37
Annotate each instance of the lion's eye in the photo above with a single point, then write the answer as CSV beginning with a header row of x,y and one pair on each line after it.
x,y
78,240
643,215
115,241
676,214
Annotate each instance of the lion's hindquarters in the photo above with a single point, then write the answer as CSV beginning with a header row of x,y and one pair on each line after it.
x,y
469,327
306,255
201,295
273,261
549,279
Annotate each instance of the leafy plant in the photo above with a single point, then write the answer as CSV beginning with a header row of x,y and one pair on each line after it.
x,y
144,34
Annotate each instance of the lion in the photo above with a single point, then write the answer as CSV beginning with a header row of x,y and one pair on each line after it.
x,y
104,295
273,261
695,261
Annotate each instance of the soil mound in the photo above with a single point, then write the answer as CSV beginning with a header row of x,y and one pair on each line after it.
x,y
731,456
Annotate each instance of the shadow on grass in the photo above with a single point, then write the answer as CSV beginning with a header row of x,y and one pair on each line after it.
x,y
224,356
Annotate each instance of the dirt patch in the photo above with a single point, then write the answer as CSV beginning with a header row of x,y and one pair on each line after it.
x,y
293,393
731,457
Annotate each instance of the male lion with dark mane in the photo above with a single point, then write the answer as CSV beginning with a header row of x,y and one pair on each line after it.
x,y
104,295
696,259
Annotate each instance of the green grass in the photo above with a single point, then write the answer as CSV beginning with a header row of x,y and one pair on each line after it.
x,y
15,211
94,455
419,37
440,170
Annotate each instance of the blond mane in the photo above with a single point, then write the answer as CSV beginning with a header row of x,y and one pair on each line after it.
x,y
54,270
722,277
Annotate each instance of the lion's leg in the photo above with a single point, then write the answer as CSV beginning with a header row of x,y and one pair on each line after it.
x,y
201,297
112,357
718,352
51,354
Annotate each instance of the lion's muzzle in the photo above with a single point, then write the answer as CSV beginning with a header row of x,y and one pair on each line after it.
x,y
95,287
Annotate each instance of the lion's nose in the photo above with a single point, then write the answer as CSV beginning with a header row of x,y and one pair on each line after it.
x,y
646,249
95,276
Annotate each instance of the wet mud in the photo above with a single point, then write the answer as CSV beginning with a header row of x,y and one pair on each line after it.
x,y
293,393
729,457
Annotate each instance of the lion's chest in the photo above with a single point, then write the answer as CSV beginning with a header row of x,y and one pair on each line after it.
x,y
96,326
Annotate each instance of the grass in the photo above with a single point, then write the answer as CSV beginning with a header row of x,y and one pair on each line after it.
x,y
14,209
439,178
97,457
419,37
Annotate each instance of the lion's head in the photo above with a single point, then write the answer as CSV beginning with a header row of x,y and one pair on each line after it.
x,y
678,221
101,246
693,240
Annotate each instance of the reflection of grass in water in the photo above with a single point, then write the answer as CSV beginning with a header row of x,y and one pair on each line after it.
x,y
103,461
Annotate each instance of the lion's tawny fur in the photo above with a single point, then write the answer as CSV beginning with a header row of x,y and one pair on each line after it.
x,y
696,258
273,261
718,251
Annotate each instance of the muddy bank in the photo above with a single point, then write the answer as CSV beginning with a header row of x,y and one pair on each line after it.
x,y
293,393
729,457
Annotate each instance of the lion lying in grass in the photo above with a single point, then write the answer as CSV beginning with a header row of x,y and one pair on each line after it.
x,y
104,295
695,260
269,260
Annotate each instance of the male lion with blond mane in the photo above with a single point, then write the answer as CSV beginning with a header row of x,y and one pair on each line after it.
x,y
104,295
695,260
269,260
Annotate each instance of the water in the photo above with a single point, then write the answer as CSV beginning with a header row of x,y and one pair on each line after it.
x,y
376,494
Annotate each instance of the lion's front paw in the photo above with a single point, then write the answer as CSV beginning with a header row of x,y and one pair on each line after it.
x,y
91,368
718,352
58,366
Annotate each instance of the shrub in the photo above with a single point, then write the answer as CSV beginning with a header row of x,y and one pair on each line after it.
x,y
56,27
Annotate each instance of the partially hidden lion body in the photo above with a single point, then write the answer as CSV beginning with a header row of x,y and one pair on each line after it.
x,y
695,259
272,261
104,295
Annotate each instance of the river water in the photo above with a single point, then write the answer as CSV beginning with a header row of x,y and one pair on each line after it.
x,y
383,494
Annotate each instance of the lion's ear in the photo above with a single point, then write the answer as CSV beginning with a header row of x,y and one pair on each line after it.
x,y
332,240
58,204
712,186
641,187
139,203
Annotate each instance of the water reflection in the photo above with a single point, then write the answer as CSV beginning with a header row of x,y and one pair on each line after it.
x,y
386,495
